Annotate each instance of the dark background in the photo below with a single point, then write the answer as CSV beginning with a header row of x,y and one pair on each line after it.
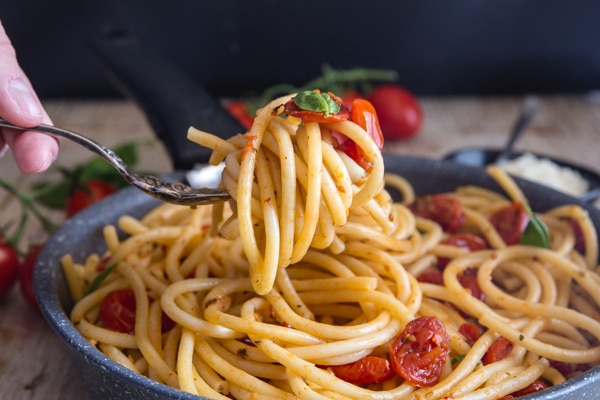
x,y
438,47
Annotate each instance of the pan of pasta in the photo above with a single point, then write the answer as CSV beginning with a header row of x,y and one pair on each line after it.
x,y
334,272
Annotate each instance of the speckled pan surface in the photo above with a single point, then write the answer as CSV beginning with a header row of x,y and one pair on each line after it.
x,y
82,235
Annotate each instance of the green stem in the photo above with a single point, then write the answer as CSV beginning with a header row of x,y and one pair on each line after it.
x,y
27,204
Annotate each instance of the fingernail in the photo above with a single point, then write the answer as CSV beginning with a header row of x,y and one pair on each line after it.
x,y
26,100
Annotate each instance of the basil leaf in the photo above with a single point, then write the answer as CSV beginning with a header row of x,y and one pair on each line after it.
x,y
536,233
317,102
94,284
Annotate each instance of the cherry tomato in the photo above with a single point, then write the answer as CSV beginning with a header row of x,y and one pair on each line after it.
x,y
468,279
92,192
363,114
443,209
9,267
419,353
434,276
467,241
26,276
291,108
470,331
579,240
364,371
117,311
497,351
534,387
398,109
240,112
510,222
349,97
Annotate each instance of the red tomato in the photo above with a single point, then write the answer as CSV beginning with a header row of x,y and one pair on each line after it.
x,y
419,352
467,241
92,192
363,114
364,371
291,108
468,279
443,209
240,112
579,240
534,387
9,267
434,276
470,331
26,276
510,222
497,351
117,311
349,97
398,109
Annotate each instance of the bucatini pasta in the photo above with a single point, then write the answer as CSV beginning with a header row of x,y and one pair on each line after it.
x,y
313,283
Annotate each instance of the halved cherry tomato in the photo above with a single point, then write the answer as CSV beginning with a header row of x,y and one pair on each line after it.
x,y
9,266
26,276
434,276
497,351
534,387
468,279
363,114
510,222
579,240
240,112
419,353
92,192
117,312
443,209
291,108
349,97
367,370
470,331
398,109
467,241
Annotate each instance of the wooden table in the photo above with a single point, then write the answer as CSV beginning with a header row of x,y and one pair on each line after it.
x,y
34,364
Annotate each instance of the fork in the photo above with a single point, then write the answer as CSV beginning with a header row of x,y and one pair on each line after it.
x,y
170,192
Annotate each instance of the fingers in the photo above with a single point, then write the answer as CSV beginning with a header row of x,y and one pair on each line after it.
x,y
19,104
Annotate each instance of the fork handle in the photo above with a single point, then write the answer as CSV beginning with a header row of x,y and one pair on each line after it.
x,y
172,101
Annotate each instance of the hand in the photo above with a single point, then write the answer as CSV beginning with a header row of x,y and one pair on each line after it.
x,y
19,104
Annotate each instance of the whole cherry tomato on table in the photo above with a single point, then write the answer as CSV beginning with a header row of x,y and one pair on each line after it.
x,y
26,276
9,266
399,111
91,192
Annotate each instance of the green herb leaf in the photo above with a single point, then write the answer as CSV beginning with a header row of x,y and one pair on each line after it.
x,y
457,359
98,168
536,233
318,102
52,195
95,283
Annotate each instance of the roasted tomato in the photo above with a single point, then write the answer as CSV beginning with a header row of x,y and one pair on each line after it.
x,y
497,351
468,280
467,241
314,106
443,209
364,371
434,276
470,331
579,239
240,112
534,387
419,353
510,222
